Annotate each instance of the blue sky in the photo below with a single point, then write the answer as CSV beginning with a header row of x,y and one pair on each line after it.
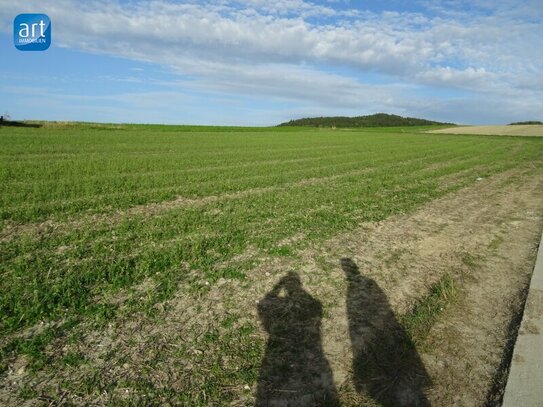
x,y
256,62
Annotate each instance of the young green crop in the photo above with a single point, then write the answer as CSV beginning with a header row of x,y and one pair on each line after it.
x,y
88,210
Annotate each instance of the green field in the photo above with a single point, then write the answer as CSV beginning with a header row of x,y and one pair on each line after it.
x,y
90,214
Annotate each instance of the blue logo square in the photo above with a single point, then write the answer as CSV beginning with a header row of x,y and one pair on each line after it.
x,y
32,32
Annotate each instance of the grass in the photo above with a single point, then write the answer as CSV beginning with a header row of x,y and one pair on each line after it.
x,y
89,213
425,313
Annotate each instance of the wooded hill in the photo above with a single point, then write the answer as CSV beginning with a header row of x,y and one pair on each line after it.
x,y
524,123
374,120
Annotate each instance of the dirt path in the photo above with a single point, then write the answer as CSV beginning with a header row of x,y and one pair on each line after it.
x,y
485,237
359,285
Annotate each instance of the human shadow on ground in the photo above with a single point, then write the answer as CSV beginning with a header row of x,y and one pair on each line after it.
x,y
386,365
294,370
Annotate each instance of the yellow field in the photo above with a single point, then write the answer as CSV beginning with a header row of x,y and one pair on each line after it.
x,y
520,130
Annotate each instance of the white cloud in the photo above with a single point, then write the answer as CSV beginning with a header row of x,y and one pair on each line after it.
x,y
461,78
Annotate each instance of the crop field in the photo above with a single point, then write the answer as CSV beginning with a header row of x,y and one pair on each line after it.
x,y
147,265
535,130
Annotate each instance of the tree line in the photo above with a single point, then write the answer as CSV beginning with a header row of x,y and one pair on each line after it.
x,y
374,120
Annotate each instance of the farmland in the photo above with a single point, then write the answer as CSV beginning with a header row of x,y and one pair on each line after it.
x,y
525,130
135,260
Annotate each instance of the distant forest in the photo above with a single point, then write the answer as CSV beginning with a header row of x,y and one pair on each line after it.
x,y
374,120
528,122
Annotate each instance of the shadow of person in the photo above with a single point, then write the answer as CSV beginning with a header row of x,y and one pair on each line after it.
x,y
386,365
294,370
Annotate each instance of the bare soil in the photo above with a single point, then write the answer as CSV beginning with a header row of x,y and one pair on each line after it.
x,y
486,237
350,294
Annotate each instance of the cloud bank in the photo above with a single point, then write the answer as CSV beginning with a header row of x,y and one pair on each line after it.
x,y
441,61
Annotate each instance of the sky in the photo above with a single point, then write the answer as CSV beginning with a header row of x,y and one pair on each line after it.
x,y
260,62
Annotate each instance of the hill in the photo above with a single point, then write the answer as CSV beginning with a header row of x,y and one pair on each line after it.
x,y
531,122
374,120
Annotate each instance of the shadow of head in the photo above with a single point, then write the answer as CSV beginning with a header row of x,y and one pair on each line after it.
x,y
288,304
350,268
290,285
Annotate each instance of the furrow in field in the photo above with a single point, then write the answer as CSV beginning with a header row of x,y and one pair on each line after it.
x,y
133,172
198,168
21,187
13,231
230,183
169,173
271,224
108,259
213,154
97,199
